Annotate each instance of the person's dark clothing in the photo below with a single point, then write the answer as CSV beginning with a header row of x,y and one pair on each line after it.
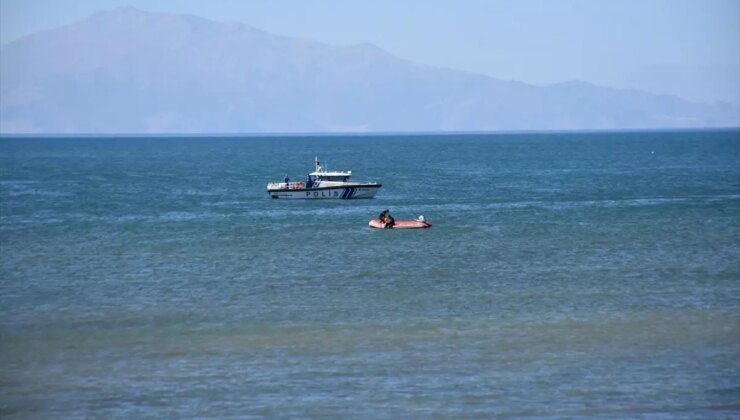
x,y
389,221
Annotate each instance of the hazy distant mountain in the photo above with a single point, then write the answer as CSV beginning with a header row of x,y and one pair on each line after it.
x,y
129,71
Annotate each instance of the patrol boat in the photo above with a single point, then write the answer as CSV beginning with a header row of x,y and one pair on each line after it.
x,y
324,184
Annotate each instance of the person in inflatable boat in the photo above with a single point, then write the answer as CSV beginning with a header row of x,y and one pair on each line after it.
x,y
386,218
389,220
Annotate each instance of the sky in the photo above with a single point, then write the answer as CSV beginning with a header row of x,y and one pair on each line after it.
x,y
687,48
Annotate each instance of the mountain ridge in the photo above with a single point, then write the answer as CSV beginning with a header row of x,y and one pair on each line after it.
x,y
127,70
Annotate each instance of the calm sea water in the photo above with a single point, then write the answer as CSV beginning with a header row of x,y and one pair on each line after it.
x,y
565,275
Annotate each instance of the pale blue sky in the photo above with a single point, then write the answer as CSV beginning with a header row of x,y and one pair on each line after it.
x,y
690,48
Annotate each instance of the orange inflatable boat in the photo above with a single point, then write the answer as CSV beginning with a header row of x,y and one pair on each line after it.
x,y
401,224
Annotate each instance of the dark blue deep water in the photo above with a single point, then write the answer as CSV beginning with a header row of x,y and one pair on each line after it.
x,y
568,274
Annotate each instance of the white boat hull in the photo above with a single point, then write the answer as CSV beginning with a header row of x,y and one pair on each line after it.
x,y
342,193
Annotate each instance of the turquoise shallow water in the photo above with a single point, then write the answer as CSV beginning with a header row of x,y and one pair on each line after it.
x,y
570,274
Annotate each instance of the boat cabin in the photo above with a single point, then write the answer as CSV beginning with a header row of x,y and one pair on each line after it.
x,y
330,176
338,177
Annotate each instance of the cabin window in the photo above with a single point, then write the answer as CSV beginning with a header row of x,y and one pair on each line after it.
x,y
335,178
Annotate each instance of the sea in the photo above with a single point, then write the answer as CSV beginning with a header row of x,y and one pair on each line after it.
x,y
566,274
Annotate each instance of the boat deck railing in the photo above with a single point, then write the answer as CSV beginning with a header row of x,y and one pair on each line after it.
x,y
286,185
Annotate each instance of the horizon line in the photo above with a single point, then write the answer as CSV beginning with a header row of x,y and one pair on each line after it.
x,y
368,133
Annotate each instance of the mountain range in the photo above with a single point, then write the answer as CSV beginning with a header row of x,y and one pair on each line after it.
x,y
132,71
